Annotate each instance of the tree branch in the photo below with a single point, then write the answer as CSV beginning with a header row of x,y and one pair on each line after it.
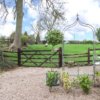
x,y
5,13
14,9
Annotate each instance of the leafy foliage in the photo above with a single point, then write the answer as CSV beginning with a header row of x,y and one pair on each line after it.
x,y
52,78
24,39
85,83
98,34
54,37
98,73
97,83
66,81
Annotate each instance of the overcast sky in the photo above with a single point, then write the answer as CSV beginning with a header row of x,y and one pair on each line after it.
x,y
88,10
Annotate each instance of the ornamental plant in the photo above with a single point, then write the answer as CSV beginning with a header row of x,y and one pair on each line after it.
x,y
52,79
97,74
65,79
85,83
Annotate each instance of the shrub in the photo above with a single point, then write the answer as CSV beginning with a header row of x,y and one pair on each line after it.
x,y
24,39
98,33
97,78
66,81
52,78
85,83
54,37
98,73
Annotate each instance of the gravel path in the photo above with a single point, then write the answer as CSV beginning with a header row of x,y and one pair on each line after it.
x,y
29,84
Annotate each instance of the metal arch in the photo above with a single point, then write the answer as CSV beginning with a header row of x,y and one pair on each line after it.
x,y
93,30
81,23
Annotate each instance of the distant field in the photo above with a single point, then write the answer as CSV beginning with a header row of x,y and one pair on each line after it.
x,y
71,49
68,48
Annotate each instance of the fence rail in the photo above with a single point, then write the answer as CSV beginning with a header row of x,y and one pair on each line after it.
x,y
79,58
46,58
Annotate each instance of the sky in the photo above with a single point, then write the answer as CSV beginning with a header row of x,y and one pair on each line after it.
x,y
88,11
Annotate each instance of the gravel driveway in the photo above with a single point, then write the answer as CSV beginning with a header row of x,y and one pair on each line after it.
x,y
29,84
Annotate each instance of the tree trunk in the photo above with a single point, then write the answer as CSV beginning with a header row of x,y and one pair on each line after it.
x,y
38,41
19,12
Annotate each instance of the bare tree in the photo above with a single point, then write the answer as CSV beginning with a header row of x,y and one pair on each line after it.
x,y
51,15
37,30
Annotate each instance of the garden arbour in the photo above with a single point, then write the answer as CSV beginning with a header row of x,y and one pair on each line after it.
x,y
78,21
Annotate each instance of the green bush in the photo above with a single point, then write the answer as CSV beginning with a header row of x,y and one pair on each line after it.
x,y
85,83
54,37
98,34
98,73
52,78
24,39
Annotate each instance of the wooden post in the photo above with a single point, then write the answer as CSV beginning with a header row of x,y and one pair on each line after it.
x,y
88,56
19,57
60,57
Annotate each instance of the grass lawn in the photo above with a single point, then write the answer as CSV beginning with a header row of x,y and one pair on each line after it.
x,y
68,48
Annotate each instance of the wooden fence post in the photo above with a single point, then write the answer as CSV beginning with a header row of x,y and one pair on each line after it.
x,y
88,56
60,57
19,57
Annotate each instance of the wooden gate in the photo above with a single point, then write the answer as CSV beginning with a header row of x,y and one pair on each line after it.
x,y
40,58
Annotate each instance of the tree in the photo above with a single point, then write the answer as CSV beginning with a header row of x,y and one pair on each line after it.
x,y
25,33
24,40
18,12
36,29
52,16
11,37
38,38
54,37
98,34
31,39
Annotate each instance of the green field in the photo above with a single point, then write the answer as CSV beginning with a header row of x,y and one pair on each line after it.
x,y
68,48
